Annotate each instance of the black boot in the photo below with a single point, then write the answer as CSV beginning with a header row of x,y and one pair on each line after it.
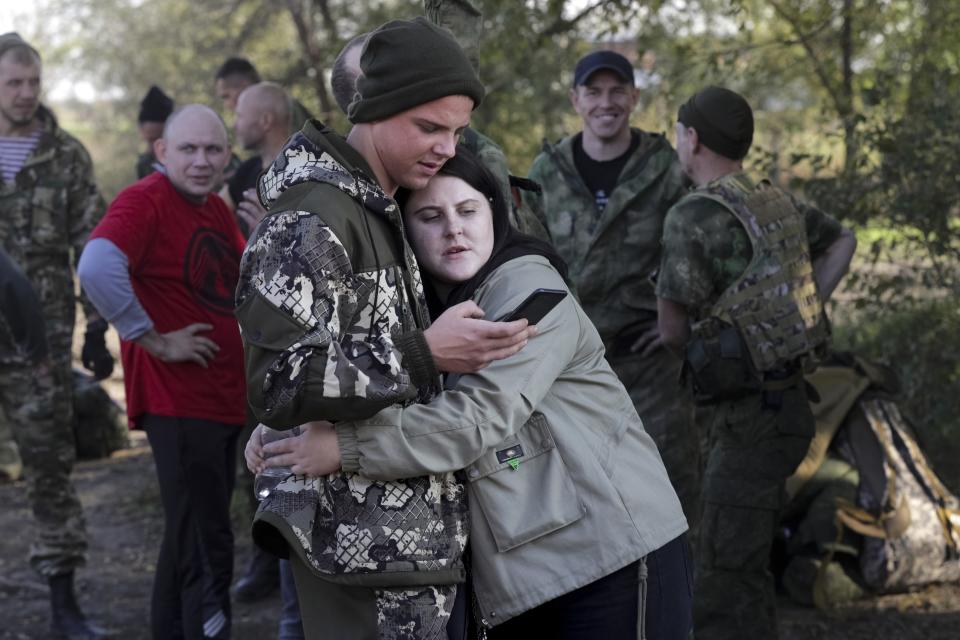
x,y
260,580
67,620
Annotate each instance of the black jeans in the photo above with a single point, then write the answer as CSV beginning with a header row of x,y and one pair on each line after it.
x,y
195,462
608,608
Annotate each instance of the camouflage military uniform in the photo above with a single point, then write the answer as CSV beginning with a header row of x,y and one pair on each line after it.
x,y
755,441
487,151
330,304
146,162
611,258
47,212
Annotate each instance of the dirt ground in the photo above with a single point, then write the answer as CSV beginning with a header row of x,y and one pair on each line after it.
x,y
121,502
122,506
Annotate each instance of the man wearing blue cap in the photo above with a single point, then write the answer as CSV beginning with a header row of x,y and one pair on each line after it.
x,y
606,191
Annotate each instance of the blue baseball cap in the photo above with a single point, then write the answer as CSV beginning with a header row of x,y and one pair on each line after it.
x,y
600,61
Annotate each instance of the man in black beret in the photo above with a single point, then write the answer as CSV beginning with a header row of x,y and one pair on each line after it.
x,y
745,271
155,108
335,327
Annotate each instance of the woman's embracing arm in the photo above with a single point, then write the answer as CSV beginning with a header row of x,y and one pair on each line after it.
x,y
486,407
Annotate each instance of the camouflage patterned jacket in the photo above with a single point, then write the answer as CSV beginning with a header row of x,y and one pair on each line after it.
x,y
46,213
331,311
493,158
611,260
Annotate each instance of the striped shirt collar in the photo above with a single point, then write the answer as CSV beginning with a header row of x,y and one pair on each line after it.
x,y
14,152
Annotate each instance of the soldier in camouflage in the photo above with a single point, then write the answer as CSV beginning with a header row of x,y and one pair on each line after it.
x,y
744,273
606,191
335,327
48,205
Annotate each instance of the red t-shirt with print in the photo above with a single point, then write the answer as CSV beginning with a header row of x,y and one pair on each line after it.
x,y
184,261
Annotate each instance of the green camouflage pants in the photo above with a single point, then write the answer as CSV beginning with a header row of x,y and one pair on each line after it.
x,y
39,409
753,450
666,409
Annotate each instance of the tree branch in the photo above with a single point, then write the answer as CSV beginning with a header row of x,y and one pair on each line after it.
x,y
561,24
303,21
818,67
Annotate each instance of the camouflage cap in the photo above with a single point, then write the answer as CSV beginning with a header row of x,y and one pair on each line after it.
x,y
12,39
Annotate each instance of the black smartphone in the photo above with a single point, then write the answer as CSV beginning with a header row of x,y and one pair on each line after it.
x,y
536,306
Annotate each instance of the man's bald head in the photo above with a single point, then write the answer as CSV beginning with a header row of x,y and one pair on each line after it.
x,y
263,116
194,150
193,115
346,70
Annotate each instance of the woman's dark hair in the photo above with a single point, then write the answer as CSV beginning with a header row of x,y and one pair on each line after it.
x,y
508,242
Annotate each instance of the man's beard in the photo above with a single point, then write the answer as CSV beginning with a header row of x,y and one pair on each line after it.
x,y
21,121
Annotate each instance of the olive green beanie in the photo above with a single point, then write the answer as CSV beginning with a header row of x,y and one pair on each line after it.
x,y
12,39
406,63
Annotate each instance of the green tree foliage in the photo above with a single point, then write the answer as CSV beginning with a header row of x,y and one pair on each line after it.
x,y
856,107
854,98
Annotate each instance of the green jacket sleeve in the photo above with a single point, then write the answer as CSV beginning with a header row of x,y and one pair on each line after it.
x,y
310,351
822,229
534,201
458,426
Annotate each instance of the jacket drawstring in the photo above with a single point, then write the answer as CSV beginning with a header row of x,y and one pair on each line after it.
x,y
642,599
376,284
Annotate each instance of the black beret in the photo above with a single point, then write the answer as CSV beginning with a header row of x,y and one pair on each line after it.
x,y
723,120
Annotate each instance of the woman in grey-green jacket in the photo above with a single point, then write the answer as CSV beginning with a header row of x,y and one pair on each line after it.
x,y
576,531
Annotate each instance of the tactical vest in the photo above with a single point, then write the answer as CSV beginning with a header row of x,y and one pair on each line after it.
x,y
774,304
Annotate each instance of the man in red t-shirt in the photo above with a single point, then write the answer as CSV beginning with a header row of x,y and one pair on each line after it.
x,y
162,266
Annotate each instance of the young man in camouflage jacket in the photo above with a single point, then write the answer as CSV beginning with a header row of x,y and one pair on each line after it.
x,y
335,327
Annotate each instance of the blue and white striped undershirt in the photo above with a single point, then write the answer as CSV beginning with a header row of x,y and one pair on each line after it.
x,y
14,152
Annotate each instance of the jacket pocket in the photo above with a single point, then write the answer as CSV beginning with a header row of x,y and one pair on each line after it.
x,y
523,488
266,326
48,225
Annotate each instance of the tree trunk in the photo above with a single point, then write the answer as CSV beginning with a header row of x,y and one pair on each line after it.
x,y
851,149
301,12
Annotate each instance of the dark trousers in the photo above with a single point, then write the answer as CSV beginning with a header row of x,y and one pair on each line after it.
x,y
195,462
756,443
610,607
